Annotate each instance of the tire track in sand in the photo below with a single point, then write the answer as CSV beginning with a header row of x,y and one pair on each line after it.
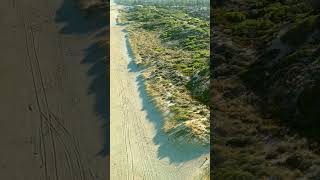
x,y
48,120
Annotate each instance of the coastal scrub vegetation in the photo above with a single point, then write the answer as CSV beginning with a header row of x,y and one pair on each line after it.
x,y
168,3
266,88
170,41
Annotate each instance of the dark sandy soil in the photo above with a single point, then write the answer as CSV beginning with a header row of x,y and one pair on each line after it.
x,y
53,92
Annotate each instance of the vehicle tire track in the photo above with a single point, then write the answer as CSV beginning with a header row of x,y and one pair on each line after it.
x,y
46,114
42,146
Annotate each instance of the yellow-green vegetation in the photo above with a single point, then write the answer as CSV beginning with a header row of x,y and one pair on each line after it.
x,y
168,3
173,48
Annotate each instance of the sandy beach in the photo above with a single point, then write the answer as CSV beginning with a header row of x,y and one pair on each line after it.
x,y
139,149
53,98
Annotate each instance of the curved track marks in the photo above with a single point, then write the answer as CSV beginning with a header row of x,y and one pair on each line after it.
x,y
57,138
56,131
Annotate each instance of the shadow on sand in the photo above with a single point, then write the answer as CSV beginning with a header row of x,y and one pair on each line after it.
x,y
85,23
177,153
80,21
96,55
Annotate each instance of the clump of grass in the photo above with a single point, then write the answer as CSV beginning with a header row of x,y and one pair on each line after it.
x,y
235,17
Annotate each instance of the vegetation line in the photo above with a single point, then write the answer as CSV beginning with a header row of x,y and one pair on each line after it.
x,y
172,44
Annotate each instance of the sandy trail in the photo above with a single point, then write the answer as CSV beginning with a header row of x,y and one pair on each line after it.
x,y
139,150
51,128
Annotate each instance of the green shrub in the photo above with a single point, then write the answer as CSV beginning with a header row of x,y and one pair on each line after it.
x,y
277,12
181,117
252,26
235,16
158,49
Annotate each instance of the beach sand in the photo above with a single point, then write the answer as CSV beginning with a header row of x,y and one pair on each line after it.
x,y
52,108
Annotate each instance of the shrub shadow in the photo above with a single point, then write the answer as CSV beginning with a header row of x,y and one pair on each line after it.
x,y
77,20
96,56
92,20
